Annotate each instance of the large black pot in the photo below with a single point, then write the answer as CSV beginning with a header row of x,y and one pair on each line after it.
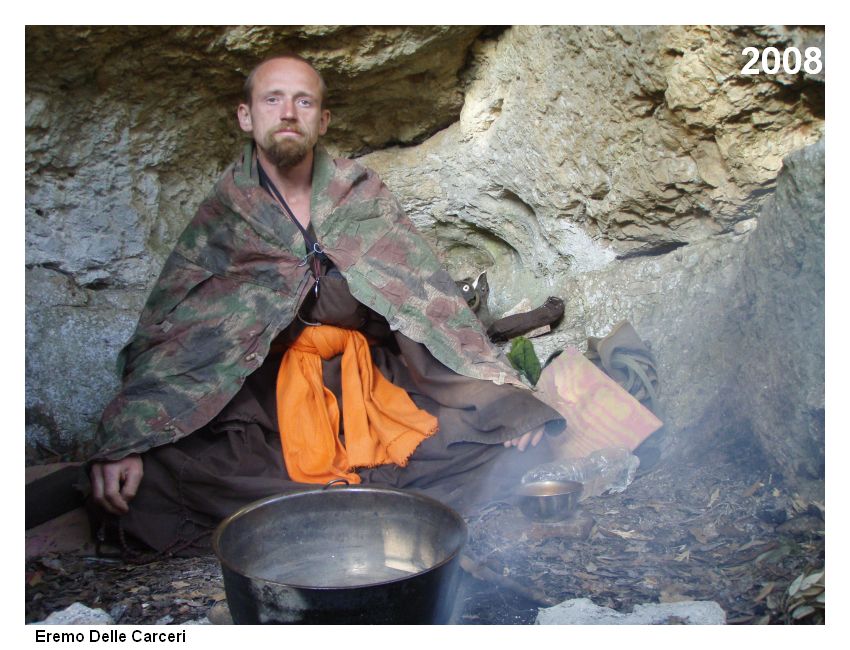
x,y
345,555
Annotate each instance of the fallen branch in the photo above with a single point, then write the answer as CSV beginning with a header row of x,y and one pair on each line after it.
x,y
486,574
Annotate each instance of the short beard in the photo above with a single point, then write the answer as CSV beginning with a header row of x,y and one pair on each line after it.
x,y
286,153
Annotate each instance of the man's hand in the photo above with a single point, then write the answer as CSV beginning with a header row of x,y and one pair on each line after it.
x,y
115,483
521,443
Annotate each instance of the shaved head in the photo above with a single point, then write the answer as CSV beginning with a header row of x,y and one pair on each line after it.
x,y
248,88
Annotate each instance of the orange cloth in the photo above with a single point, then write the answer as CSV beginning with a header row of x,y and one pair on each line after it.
x,y
382,424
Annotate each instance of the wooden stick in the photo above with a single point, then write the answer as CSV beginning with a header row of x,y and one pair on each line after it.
x,y
485,573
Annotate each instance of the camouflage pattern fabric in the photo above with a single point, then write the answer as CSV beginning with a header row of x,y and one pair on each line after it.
x,y
236,278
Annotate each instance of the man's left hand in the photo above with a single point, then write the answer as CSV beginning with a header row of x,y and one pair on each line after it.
x,y
522,442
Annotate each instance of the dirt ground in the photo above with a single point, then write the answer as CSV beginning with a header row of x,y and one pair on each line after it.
x,y
709,524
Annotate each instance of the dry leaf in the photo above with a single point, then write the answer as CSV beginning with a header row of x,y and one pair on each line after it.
x,y
739,620
755,487
585,576
774,555
705,534
672,597
628,534
751,544
684,556
190,603
180,584
714,497
799,504
765,591
729,530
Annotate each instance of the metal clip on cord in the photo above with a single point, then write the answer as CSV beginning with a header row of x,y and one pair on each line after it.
x,y
317,250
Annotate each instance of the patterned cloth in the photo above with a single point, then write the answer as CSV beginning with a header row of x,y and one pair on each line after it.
x,y
236,278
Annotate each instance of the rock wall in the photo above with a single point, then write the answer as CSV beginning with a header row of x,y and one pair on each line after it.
x,y
580,146
623,169
781,336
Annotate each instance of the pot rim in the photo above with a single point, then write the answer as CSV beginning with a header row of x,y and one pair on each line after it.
x,y
283,496
548,489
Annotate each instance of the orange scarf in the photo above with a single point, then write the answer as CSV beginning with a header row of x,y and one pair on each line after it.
x,y
382,424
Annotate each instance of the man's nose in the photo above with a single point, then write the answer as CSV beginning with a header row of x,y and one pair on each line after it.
x,y
287,109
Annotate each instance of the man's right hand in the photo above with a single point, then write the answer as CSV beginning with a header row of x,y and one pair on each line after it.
x,y
115,483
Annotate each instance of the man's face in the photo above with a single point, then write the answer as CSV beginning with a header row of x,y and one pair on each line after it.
x,y
285,116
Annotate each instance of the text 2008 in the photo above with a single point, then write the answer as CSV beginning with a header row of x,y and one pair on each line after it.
x,y
790,61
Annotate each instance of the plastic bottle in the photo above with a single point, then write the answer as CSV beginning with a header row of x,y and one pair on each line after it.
x,y
603,472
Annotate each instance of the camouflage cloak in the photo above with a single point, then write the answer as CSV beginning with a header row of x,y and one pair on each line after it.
x,y
235,280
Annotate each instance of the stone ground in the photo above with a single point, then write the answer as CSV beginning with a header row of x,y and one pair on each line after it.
x,y
710,524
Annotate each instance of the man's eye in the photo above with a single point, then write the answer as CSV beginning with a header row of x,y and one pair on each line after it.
x,y
305,102
271,100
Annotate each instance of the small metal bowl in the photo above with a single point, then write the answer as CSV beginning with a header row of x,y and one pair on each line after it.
x,y
548,500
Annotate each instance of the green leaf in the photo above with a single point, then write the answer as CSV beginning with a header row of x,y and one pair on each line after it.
x,y
803,610
809,580
524,359
795,586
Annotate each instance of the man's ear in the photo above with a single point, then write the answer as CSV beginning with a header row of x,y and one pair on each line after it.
x,y
324,122
243,113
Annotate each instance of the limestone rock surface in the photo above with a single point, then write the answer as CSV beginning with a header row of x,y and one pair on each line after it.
x,y
78,614
578,146
582,611
736,324
782,325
